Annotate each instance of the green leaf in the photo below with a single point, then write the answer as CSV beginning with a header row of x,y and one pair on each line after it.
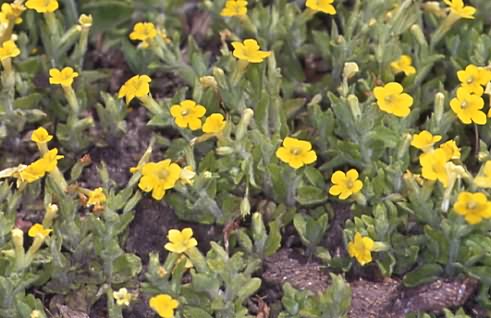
x,y
423,274
195,312
308,195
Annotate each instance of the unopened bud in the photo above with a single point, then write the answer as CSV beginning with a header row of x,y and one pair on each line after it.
x,y
350,70
244,123
354,105
224,151
419,35
439,106
208,82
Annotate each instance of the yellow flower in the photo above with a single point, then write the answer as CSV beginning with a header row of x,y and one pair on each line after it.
x,y
36,314
123,297
473,78
467,107
187,175
473,207
8,50
483,180
38,230
85,21
164,305
403,64
11,12
296,153
180,241
96,197
425,140
249,51
457,7
451,149
137,86
188,113
361,248
214,124
392,100
64,77
321,5
433,166
41,136
159,177
32,172
43,6
50,160
345,184
234,8
145,32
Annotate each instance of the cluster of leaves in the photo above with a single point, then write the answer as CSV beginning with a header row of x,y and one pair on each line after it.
x,y
284,110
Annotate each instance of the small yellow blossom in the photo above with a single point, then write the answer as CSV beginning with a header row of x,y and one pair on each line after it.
x,y
483,180
473,78
188,113
403,64
38,230
321,5
392,100
11,12
96,197
36,314
187,175
43,6
137,86
249,51
473,207
458,8
161,271
345,184
180,241
467,107
433,166
85,21
123,297
145,32
32,172
451,149
234,8
425,140
41,136
214,124
361,248
8,50
296,153
50,160
159,177
164,305
62,77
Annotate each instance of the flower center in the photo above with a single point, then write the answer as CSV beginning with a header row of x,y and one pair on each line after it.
x,y
471,205
349,184
162,174
184,112
389,98
464,104
295,151
470,80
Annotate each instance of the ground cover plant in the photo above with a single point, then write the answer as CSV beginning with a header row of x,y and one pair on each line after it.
x,y
293,159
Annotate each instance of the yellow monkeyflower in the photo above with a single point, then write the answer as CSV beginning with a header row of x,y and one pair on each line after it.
x,y
38,230
96,197
145,32
473,207
249,51
451,149
473,78
321,5
164,305
296,153
50,160
458,8
43,6
345,184
123,297
159,177
425,140
8,50
137,86
62,77
433,166
32,172
85,21
392,100
41,136
188,114
234,8
180,241
403,64
361,248
214,124
467,107
11,12
483,180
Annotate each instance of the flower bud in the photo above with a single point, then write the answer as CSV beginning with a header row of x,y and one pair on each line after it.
x,y
350,70
224,151
244,123
419,35
208,82
354,106
439,106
